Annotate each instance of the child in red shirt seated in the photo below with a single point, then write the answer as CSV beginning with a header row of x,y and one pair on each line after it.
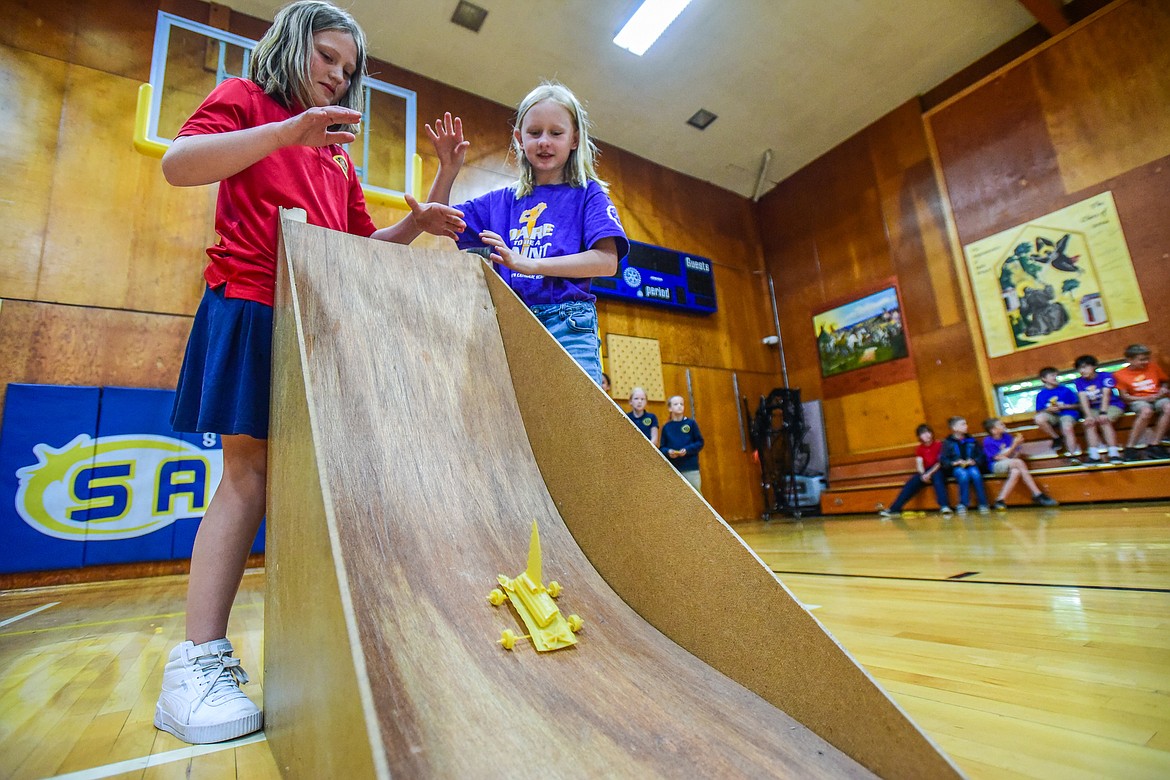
x,y
929,473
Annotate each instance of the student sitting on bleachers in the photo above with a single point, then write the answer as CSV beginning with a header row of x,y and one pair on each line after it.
x,y
961,455
929,473
1146,388
1058,405
1002,450
1100,408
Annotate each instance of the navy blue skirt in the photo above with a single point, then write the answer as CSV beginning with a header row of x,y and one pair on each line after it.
x,y
227,370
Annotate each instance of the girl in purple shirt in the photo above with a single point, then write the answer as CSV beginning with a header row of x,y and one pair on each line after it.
x,y
555,229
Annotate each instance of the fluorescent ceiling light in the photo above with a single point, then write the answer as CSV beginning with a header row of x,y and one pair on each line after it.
x,y
647,23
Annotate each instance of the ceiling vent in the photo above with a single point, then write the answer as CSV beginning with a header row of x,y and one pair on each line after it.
x,y
469,15
702,119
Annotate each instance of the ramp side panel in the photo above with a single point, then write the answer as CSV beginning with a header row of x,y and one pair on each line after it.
x,y
663,550
434,488
315,718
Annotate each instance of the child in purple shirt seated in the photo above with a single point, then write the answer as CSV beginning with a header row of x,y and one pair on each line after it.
x,y
1100,408
1001,449
555,229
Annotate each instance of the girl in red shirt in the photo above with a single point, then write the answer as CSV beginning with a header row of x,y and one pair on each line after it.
x,y
272,140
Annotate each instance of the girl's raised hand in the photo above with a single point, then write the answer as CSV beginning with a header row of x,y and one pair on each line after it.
x,y
447,138
311,127
437,219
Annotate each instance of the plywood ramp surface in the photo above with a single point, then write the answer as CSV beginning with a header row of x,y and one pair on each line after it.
x,y
405,474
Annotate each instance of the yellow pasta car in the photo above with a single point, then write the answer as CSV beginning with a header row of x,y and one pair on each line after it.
x,y
547,627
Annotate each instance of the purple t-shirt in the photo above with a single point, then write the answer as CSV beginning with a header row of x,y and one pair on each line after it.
x,y
993,446
555,220
1102,381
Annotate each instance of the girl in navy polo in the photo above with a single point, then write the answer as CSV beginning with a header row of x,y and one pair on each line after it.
x,y
646,421
682,441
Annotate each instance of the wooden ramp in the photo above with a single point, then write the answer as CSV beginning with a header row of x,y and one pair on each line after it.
x,y
422,419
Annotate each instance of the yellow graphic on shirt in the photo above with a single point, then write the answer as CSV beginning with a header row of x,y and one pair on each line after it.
x,y
342,163
528,232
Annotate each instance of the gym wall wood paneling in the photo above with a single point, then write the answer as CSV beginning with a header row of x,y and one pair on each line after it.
x,y
1088,111
29,158
96,226
118,235
1086,114
47,343
867,211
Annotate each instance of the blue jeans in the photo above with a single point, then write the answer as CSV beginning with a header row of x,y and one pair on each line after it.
x,y
969,475
915,484
574,326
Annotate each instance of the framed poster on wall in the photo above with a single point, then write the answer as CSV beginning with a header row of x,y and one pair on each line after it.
x,y
861,333
1061,276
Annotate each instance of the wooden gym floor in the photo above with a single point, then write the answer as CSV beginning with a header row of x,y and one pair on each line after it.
x,y
1032,643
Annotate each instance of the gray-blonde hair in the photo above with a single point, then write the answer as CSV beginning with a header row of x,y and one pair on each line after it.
x,y
579,170
280,61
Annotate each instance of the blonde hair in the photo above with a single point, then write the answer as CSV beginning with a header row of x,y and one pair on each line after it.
x,y
579,170
280,61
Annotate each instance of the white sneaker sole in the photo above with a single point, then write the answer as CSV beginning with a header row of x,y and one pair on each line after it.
x,y
203,735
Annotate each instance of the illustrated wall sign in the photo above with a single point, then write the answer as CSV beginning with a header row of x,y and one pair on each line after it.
x,y
1059,277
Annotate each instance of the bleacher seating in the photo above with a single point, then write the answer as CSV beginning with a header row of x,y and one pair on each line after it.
x,y
868,482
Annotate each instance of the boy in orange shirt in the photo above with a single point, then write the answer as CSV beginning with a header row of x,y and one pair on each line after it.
x,y
1146,388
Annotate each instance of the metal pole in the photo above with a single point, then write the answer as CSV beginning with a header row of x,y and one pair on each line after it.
x,y
691,397
739,412
776,322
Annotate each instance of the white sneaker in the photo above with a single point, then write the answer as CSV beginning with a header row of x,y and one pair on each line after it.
x,y
201,700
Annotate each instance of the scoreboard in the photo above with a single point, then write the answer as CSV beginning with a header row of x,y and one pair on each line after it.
x,y
662,277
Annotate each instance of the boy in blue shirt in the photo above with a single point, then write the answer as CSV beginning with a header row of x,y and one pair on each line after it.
x,y
1100,408
1057,405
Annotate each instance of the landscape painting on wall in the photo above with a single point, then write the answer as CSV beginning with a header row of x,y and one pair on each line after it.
x,y
864,332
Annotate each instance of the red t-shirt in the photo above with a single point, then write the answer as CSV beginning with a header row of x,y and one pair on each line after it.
x,y
322,181
929,453
1142,384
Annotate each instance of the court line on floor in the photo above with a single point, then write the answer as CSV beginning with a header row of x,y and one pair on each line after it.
x,y
30,613
949,580
112,621
145,762
93,624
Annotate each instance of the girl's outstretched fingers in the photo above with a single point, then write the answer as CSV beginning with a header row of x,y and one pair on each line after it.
x,y
501,252
436,218
311,127
447,138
